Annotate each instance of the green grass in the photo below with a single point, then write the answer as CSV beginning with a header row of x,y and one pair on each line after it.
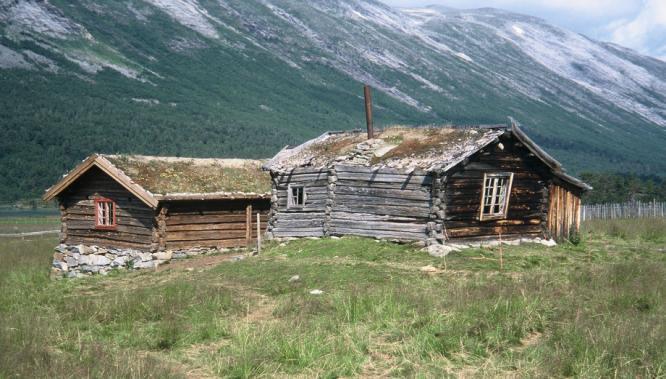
x,y
11,225
596,309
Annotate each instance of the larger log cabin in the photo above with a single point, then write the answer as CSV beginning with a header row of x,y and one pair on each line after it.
x,y
161,203
429,184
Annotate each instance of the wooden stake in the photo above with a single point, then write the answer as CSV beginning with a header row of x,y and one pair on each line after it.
x,y
258,233
501,252
248,226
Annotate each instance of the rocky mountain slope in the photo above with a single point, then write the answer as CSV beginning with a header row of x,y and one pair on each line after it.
x,y
245,77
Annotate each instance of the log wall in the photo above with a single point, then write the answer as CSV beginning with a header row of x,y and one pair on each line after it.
x,y
528,201
563,212
135,220
384,203
210,223
306,221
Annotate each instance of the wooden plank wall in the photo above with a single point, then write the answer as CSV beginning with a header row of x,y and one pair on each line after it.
x,y
212,223
563,212
527,204
383,203
307,221
135,219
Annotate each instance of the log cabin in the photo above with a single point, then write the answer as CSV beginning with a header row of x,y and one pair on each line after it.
x,y
428,184
161,203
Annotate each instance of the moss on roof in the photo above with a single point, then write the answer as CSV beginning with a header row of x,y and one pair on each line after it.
x,y
168,175
398,146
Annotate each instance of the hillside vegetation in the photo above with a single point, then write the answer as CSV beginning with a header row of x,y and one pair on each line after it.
x,y
597,309
238,78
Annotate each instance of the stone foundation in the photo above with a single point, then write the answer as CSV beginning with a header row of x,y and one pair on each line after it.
x,y
74,261
442,250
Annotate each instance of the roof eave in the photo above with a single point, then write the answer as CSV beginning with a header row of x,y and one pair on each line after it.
x,y
108,168
547,159
211,196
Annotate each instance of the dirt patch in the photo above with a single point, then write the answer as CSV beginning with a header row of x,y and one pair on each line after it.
x,y
201,262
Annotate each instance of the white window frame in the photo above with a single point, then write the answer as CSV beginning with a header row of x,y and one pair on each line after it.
x,y
494,196
293,202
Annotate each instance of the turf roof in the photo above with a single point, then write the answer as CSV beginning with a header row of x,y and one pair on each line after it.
x,y
169,176
396,147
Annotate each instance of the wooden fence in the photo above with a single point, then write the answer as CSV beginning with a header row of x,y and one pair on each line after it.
x,y
634,209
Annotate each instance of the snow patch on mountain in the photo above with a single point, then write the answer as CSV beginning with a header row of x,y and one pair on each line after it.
x,y
589,64
427,83
190,14
464,56
40,18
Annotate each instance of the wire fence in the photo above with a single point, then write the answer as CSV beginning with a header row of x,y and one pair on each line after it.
x,y
633,209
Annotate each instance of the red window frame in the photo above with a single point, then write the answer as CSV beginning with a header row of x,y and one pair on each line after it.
x,y
112,225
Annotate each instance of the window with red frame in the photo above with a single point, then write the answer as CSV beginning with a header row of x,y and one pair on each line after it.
x,y
105,214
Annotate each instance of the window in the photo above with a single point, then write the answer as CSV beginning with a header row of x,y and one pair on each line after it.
x,y
495,195
295,197
105,214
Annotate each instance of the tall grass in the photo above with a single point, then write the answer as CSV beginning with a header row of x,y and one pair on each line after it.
x,y
647,229
597,309
91,329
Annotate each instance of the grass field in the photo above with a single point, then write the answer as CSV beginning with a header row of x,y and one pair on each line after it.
x,y
596,309
11,225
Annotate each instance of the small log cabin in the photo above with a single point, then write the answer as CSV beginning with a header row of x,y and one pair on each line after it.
x,y
161,203
429,184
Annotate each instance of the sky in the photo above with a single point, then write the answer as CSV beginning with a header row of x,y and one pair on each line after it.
x,y
637,24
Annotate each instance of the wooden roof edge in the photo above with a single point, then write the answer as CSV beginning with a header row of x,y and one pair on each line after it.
x,y
69,177
212,196
546,158
288,151
108,168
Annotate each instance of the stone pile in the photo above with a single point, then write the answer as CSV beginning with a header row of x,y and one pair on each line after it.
x,y
75,261
443,249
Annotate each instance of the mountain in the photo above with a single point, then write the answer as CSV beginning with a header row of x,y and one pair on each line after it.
x,y
246,77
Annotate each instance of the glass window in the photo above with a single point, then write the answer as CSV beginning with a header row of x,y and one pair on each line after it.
x,y
495,199
296,196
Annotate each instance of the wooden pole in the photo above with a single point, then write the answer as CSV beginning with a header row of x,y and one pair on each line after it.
x,y
248,225
501,252
368,111
258,233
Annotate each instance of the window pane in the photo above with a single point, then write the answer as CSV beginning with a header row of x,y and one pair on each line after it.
x,y
495,194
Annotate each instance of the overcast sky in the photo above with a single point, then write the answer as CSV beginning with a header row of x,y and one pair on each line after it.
x,y
638,24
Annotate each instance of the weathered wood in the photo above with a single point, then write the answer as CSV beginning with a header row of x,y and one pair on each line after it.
x,y
206,235
526,201
371,170
134,219
238,242
248,224
382,185
371,217
87,210
350,200
378,225
386,178
140,230
419,212
121,220
105,242
378,233
184,219
300,232
417,195
111,236
312,223
492,230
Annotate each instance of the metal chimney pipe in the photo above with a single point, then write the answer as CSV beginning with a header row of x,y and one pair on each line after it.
x,y
368,110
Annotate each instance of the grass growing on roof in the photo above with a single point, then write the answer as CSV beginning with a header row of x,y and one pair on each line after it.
x,y
162,175
597,309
